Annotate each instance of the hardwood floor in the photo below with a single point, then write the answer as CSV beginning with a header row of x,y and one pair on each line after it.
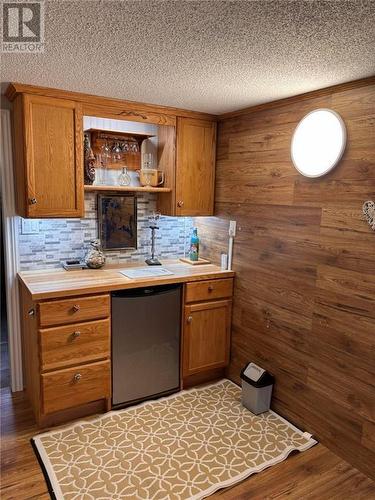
x,y
4,348
316,473
4,365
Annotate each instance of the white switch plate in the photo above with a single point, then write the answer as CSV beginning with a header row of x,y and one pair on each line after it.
x,y
232,228
29,226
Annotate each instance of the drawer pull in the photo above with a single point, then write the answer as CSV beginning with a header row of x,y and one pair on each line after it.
x,y
210,288
76,334
190,319
76,308
180,204
77,377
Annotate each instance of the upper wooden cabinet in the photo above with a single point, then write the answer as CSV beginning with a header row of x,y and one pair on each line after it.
x,y
48,158
48,151
195,167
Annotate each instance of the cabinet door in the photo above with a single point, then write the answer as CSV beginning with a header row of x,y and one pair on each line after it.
x,y
206,336
195,167
49,173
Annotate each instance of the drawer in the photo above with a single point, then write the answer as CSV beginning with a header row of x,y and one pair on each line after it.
x,y
208,290
60,312
75,386
77,343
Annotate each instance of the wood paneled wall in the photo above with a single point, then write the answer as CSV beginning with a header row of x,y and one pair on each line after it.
x,y
214,237
304,304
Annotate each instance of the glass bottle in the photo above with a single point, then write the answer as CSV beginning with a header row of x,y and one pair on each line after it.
x,y
194,246
124,177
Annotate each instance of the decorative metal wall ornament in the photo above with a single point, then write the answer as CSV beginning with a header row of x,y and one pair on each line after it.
x,y
90,161
369,213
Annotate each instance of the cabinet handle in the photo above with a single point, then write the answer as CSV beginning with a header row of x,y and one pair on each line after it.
x,y
77,377
31,312
76,334
210,288
180,203
190,319
32,201
76,308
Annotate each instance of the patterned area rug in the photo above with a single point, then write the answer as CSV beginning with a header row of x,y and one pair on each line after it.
x,y
185,446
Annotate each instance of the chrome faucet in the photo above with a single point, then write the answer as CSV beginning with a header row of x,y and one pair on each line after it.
x,y
153,261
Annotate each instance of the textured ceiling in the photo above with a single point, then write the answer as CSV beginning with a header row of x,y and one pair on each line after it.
x,y
213,55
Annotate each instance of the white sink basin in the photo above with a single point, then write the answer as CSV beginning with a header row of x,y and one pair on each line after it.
x,y
145,272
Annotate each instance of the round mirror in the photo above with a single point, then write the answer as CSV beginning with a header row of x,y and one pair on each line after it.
x,y
318,142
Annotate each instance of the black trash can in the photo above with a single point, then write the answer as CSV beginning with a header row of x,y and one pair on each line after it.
x,y
257,386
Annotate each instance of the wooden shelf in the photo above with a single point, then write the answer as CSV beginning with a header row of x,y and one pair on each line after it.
x,y
129,189
118,135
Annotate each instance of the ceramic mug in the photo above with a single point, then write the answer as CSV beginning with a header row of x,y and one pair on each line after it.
x,y
151,177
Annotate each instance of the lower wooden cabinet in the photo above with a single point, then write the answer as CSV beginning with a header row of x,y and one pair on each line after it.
x,y
61,312
206,331
75,386
67,347
68,365
202,291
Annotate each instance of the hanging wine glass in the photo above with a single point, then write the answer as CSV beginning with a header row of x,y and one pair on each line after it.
x,y
105,152
116,152
133,145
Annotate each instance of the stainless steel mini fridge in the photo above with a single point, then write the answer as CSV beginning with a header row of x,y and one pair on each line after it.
x,y
146,326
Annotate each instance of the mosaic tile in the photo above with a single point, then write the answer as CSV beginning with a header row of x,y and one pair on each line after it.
x,y
61,239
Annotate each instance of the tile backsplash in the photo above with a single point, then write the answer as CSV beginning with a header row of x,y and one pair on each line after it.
x,y
62,239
